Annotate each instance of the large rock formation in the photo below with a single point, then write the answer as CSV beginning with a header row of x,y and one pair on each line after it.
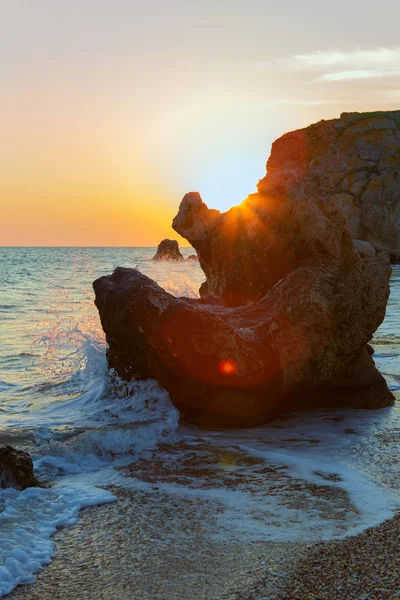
x,y
248,249
168,250
16,469
286,313
353,163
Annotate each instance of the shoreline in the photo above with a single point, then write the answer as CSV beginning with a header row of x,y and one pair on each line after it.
x,y
157,547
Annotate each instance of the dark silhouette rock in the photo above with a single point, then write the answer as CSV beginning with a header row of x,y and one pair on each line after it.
x,y
16,469
168,250
247,250
286,313
302,345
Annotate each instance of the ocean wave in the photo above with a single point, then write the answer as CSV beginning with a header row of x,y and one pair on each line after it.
x,y
5,385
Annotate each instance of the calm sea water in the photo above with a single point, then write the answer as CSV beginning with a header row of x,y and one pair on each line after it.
x,y
317,475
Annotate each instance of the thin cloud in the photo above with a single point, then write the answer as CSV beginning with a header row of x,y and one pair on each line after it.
x,y
358,59
356,74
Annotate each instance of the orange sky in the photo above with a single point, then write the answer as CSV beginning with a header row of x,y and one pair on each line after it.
x,y
112,111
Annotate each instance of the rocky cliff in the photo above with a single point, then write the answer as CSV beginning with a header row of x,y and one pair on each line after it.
x,y
352,163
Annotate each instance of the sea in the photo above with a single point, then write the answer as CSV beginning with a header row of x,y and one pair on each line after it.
x,y
317,475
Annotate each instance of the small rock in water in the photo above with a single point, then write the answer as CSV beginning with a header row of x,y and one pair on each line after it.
x,y
16,469
168,250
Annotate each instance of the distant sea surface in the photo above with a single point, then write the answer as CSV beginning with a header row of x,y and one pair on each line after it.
x,y
311,476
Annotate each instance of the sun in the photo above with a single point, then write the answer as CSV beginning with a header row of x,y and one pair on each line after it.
x,y
228,182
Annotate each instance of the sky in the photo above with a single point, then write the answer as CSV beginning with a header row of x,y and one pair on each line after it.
x,y
111,110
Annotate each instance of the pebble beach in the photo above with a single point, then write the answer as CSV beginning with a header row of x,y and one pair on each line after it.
x,y
151,547
362,567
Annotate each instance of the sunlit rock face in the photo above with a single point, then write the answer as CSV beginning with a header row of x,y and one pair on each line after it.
x,y
168,250
354,164
247,250
287,309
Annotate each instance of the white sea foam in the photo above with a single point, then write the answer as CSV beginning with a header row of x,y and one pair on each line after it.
x,y
313,480
76,442
28,521
137,419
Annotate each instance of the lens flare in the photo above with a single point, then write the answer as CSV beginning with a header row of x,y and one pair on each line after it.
x,y
227,367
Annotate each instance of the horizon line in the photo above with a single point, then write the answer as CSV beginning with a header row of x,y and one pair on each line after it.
x,y
105,246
